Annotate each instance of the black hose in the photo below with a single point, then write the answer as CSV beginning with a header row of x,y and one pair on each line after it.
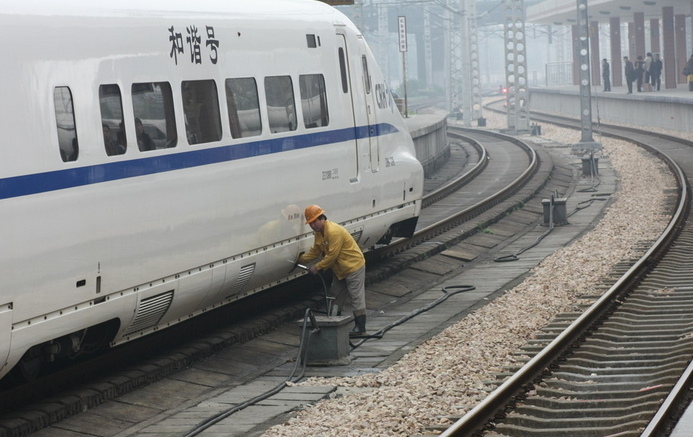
x,y
379,334
303,353
586,203
515,257
593,172
327,298
324,286
301,357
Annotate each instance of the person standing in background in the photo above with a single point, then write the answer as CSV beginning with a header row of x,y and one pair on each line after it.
x,y
630,73
688,71
606,73
648,65
656,72
639,72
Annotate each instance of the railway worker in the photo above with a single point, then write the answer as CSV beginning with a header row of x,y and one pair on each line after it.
x,y
341,254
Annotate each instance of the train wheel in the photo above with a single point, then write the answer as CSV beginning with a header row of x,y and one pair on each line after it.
x,y
28,369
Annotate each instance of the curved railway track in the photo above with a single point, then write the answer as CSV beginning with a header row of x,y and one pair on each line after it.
x,y
495,178
474,195
624,365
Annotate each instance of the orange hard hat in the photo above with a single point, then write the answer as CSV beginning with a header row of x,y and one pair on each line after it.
x,y
312,213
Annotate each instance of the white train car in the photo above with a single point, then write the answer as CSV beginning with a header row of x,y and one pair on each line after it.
x,y
156,158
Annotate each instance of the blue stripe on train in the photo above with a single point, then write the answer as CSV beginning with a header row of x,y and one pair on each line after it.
x,y
61,179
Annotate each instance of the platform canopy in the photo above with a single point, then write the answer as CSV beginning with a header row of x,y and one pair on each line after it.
x,y
564,12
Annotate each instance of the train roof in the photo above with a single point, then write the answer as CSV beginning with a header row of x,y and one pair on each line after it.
x,y
80,45
266,9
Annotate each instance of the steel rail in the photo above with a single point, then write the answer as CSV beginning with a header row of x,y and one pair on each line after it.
x,y
447,189
431,231
681,389
497,401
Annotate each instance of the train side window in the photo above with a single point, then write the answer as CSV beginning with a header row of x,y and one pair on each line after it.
x,y
312,42
343,70
155,122
201,108
244,107
366,75
65,121
111,103
281,106
314,100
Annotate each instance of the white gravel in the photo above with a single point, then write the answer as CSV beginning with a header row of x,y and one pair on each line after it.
x,y
446,374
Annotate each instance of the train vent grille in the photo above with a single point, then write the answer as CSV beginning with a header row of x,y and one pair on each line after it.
x,y
357,235
150,311
243,277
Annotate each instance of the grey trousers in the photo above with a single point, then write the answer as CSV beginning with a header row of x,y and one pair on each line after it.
x,y
353,286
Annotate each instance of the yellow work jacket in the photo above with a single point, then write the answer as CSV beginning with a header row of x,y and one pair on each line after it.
x,y
338,249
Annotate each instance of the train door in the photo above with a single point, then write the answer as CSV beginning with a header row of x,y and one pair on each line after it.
x,y
370,109
362,141
5,332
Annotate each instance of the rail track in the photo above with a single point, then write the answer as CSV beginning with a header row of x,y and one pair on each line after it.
x,y
474,196
495,178
623,366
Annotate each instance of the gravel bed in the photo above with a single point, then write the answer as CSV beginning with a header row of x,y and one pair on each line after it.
x,y
446,375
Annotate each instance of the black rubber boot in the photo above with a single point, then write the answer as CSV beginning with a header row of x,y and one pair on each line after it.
x,y
359,327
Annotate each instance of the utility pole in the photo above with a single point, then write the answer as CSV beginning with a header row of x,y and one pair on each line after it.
x,y
428,56
475,64
454,69
587,141
516,67
466,69
402,25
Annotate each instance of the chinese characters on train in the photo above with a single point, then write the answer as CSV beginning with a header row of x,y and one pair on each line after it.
x,y
190,42
381,95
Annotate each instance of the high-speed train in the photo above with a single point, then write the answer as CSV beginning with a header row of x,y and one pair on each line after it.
x,y
156,157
